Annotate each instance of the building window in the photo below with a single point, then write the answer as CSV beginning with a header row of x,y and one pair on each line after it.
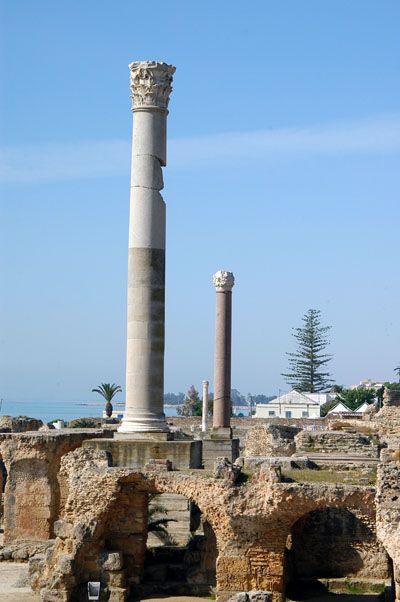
x,y
304,414
271,413
288,414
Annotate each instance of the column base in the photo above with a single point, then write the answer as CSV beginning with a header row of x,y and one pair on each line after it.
x,y
220,432
155,423
128,452
144,436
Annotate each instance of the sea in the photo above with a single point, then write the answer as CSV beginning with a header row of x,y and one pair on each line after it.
x,y
59,410
64,410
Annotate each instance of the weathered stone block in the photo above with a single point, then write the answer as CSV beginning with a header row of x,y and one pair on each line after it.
x,y
271,440
66,564
214,448
111,561
116,578
21,554
47,595
260,596
118,594
158,465
7,553
63,528
136,453
82,531
224,469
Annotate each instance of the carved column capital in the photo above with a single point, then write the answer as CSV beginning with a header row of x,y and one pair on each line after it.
x,y
223,281
150,83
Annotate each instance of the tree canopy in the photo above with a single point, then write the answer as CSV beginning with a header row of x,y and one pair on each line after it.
x,y
192,405
353,398
307,364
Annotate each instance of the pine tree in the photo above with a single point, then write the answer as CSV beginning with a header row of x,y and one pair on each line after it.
x,y
308,362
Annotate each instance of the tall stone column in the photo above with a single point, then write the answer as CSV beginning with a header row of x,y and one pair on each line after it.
x,y
144,412
223,282
205,406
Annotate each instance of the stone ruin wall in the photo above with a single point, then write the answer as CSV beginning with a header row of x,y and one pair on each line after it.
x,y
34,493
279,440
388,512
271,440
332,442
251,525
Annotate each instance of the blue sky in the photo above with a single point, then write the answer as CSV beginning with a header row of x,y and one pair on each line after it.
x,y
283,166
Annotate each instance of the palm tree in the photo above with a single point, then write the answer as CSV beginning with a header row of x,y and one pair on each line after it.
x,y
398,371
108,391
158,526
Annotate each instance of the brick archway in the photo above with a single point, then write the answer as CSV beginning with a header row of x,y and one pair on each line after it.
x,y
251,523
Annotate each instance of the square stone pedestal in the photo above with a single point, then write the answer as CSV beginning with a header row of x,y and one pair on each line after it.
x,y
129,451
218,442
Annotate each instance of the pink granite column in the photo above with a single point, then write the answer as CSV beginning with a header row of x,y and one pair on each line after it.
x,y
223,282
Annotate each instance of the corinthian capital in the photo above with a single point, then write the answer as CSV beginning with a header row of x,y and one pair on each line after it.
x,y
151,84
223,281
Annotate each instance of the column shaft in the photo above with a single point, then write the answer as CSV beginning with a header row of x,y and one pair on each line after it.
x,y
205,406
222,360
144,411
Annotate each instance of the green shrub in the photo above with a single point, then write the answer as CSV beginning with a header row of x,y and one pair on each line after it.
x,y
84,424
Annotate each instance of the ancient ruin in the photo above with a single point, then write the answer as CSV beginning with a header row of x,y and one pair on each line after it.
x,y
261,506
78,518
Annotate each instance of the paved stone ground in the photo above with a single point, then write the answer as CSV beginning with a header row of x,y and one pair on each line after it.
x,y
174,599
12,574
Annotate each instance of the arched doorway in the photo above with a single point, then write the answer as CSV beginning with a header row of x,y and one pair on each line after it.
x,y
113,549
181,557
335,550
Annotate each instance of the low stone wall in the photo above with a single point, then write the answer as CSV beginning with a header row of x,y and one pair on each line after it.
x,y
185,422
19,424
336,442
271,440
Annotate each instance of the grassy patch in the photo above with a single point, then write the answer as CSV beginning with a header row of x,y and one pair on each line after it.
x,y
308,475
364,588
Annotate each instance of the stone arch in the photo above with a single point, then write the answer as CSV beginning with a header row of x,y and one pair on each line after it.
x,y
333,542
264,558
251,524
124,529
102,534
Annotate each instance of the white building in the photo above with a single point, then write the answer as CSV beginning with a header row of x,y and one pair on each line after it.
x,y
339,408
321,398
290,405
368,384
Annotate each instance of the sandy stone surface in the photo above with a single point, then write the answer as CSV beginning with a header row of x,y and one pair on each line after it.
x,y
174,599
12,573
